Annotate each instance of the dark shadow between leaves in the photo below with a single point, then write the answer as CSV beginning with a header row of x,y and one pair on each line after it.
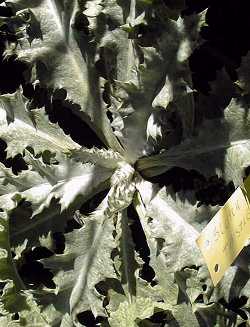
x,y
87,319
109,283
90,205
160,319
207,191
224,44
17,163
34,29
32,272
22,4
61,111
141,246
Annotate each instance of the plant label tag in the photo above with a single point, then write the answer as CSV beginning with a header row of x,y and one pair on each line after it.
x,y
227,233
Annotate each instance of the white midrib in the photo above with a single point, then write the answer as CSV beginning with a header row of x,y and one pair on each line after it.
x,y
210,148
178,153
130,52
78,68
63,33
126,256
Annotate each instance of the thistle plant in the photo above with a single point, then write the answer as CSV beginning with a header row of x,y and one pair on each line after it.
x,y
122,68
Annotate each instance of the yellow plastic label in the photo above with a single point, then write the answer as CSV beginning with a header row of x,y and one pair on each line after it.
x,y
226,234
